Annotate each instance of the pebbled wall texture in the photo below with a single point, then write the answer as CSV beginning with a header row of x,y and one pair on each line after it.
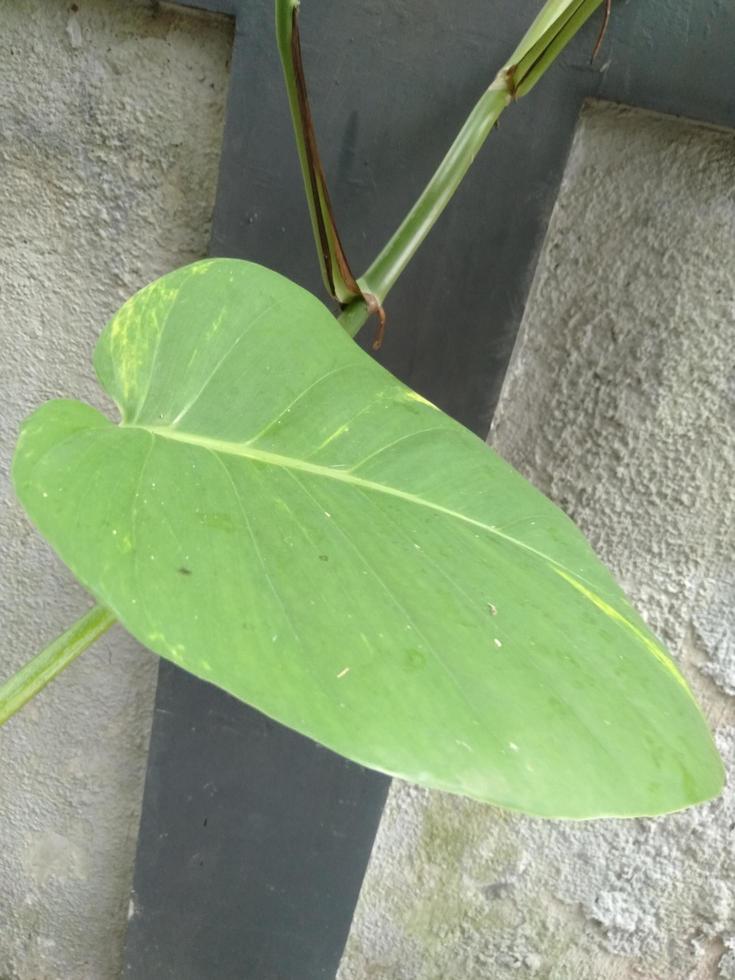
x,y
111,117
620,405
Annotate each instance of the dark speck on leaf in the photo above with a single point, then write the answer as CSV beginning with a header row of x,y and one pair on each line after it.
x,y
414,660
184,571
323,557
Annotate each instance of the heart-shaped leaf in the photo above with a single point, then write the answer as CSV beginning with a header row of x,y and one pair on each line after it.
x,y
280,516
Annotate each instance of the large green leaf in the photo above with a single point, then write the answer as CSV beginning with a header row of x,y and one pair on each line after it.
x,y
280,516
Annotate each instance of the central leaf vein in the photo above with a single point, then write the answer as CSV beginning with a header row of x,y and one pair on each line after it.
x,y
247,451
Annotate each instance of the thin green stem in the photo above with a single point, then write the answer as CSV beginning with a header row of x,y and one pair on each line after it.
x,y
394,258
403,245
354,317
336,272
45,666
286,11
556,45
552,30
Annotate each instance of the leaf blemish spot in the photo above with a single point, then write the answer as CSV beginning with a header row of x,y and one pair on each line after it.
x,y
343,673
493,610
184,571
323,557
497,642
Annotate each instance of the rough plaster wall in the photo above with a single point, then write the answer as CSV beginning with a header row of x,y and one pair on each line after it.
x,y
620,405
110,129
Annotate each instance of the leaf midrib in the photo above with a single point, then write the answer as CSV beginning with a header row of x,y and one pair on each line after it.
x,y
246,451
292,463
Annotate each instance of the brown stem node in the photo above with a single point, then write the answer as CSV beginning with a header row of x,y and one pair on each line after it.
x,y
375,308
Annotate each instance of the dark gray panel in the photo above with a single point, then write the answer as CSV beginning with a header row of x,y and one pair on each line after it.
x,y
252,847
267,888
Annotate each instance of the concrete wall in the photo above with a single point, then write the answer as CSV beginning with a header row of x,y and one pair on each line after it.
x,y
111,119
620,405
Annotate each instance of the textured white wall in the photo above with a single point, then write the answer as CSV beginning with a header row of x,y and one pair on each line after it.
x,y
620,405
110,131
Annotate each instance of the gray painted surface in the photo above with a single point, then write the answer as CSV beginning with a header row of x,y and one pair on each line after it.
x,y
453,316
620,404
110,129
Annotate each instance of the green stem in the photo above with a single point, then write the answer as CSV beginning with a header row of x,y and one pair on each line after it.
x,y
414,228
44,667
286,10
354,317
547,37
556,44
336,272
